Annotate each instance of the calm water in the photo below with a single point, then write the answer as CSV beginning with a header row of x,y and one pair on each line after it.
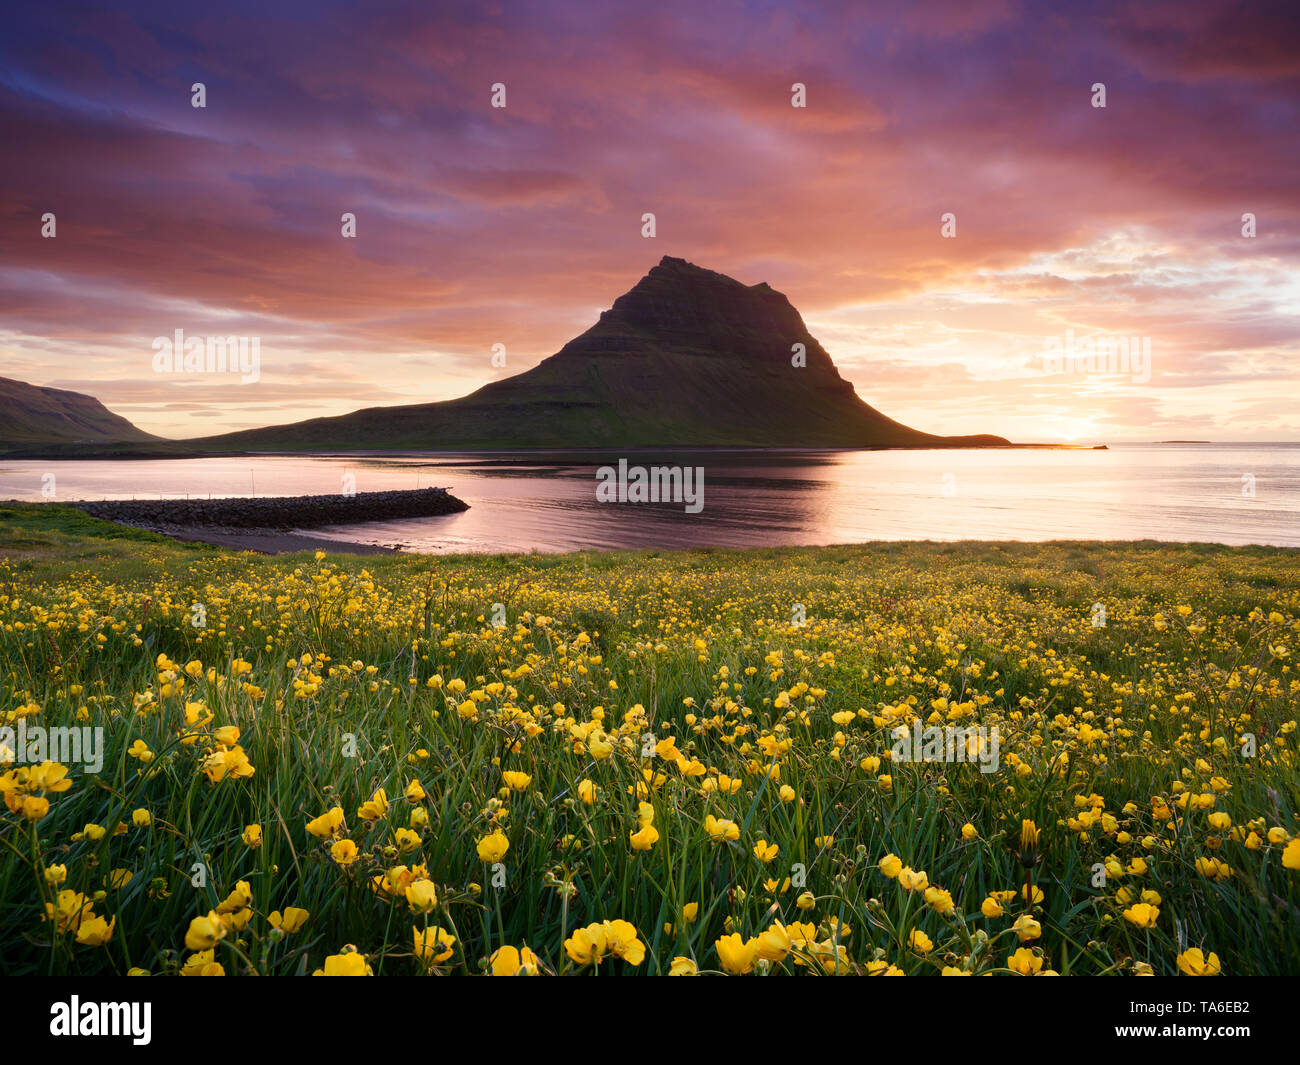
x,y
547,502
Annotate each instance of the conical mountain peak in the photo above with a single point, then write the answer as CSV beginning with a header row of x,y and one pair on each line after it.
x,y
679,306
687,357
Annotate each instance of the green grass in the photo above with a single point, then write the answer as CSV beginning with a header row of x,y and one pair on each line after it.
x,y
1002,632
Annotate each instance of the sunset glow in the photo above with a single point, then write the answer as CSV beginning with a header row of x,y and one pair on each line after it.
x,y
479,226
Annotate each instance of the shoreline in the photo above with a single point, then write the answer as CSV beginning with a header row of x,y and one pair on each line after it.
x,y
274,525
126,452
272,541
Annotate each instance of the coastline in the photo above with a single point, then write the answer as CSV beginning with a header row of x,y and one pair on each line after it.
x,y
271,541
273,525
83,452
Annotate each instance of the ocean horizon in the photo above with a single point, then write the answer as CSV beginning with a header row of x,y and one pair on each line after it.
x,y
1229,493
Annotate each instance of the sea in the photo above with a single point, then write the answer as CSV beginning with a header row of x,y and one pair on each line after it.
x,y
1244,493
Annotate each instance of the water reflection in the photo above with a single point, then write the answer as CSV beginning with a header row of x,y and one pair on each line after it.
x,y
547,501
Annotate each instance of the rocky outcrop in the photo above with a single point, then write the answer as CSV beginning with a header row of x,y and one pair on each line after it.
x,y
274,512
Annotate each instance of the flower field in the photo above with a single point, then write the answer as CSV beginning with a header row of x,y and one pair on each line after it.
x,y
646,764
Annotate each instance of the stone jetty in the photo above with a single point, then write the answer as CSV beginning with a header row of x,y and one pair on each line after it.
x,y
274,512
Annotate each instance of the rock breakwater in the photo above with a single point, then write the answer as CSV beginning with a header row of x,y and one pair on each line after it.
x,y
274,512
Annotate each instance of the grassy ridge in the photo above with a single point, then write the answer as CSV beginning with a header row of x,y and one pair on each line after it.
x,y
778,676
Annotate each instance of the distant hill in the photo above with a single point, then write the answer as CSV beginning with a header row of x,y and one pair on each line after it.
x,y
686,358
32,415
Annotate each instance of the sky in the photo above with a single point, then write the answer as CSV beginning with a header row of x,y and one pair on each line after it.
x,y
480,225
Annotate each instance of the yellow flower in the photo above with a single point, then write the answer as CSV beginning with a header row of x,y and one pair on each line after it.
x,y
516,781
68,910
920,942
35,807
645,838
226,736
141,818
95,932
1026,928
1291,854
394,882
1025,962
344,852
252,836
238,899
509,961
291,920
375,807
775,943
622,940
736,955
1029,833
587,791
968,833
349,964
205,932
891,865
720,829
233,763
911,880
1142,915
433,945
587,945
421,896
1193,962
1213,869
765,851
202,964
492,847
682,966
832,957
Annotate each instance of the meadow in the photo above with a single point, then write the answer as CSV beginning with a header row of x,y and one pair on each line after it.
x,y
645,763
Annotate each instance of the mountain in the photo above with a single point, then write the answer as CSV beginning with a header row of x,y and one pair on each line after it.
x,y
686,358
32,415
